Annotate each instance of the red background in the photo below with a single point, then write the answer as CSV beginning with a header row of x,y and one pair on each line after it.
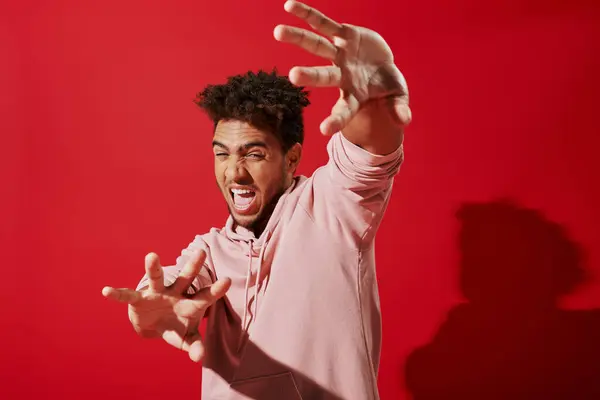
x,y
104,158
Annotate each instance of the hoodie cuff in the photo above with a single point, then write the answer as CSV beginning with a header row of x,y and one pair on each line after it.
x,y
360,156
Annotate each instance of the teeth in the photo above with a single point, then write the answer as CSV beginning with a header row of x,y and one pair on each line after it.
x,y
241,191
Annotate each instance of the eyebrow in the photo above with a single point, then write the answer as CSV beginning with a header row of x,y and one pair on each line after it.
x,y
245,146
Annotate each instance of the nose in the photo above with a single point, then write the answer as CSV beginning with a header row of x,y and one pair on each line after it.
x,y
236,171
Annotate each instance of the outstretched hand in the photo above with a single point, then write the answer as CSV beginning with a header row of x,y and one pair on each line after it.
x,y
363,66
168,312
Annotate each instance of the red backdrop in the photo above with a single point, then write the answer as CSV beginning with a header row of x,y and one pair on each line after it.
x,y
104,158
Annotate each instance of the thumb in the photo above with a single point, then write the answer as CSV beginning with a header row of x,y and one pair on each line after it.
x,y
191,342
196,348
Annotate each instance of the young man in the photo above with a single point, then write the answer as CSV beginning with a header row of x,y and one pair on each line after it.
x,y
288,284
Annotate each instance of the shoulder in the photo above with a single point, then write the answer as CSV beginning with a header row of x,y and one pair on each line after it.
x,y
208,239
201,242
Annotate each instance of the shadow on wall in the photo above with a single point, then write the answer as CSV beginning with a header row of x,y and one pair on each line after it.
x,y
510,340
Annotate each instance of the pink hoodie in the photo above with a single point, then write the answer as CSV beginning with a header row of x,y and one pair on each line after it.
x,y
301,319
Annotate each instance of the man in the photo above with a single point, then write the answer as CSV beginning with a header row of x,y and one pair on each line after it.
x,y
288,284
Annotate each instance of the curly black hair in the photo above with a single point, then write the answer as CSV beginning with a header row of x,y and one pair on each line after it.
x,y
267,101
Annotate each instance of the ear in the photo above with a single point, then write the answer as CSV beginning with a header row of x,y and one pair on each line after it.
x,y
292,158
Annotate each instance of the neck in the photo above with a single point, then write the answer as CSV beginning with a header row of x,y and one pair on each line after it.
x,y
259,228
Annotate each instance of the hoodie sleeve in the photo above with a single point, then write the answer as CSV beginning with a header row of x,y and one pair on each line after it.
x,y
351,192
172,272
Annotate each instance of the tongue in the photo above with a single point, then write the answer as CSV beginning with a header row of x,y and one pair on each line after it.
x,y
242,200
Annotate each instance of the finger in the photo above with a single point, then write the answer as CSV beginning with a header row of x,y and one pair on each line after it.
x,y
210,294
329,76
196,348
315,18
341,114
307,40
189,272
154,272
121,295
191,343
197,305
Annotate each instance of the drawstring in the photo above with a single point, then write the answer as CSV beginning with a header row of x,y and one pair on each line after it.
x,y
256,284
248,273
260,262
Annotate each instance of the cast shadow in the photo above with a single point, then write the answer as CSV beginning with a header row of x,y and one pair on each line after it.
x,y
250,372
510,340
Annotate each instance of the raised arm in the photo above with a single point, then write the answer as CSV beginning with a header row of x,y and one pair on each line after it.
x,y
373,109
367,123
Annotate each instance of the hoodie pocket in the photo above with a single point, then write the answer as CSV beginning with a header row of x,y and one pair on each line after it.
x,y
270,387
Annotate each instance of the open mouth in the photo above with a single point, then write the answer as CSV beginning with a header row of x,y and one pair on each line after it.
x,y
243,200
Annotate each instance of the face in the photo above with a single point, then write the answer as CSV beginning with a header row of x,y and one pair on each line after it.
x,y
252,171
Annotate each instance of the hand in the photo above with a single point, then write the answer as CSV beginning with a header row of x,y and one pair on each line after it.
x,y
363,66
168,312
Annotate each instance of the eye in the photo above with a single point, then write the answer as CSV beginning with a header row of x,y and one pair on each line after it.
x,y
220,154
256,156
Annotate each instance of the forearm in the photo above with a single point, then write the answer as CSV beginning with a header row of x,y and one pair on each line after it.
x,y
375,128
